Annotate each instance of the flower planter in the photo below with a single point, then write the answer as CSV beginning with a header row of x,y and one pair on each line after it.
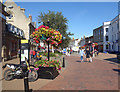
x,y
47,72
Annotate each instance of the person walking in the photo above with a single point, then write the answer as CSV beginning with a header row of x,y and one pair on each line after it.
x,y
34,53
31,53
81,54
87,54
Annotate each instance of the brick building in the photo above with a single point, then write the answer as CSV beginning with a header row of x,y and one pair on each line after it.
x,y
98,38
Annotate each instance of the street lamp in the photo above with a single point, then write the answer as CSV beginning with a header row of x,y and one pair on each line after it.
x,y
48,41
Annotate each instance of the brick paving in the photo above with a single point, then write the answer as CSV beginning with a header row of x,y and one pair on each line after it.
x,y
85,76
98,75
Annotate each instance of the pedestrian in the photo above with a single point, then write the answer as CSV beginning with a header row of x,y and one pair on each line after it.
x,y
81,54
70,51
31,53
38,56
87,52
91,59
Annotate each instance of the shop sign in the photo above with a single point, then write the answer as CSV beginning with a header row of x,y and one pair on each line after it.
x,y
15,30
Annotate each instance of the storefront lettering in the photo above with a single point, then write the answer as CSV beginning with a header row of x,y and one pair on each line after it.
x,y
15,30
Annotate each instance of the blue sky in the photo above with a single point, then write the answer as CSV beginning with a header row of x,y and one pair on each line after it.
x,y
82,17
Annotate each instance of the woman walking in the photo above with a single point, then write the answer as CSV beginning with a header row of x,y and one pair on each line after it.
x,y
87,54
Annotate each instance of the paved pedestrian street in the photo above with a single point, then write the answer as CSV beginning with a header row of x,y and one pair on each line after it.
x,y
98,75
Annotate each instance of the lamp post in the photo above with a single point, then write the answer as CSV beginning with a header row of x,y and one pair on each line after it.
x,y
93,45
48,43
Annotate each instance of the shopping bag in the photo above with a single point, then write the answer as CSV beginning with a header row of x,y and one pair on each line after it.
x,y
90,59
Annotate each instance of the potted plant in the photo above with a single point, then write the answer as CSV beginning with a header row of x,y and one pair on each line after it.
x,y
48,69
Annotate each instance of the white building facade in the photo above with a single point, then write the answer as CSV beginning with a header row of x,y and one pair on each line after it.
x,y
114,32
17,17
106,36
111,35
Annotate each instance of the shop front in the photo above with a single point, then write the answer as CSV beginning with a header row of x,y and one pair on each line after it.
x,y
11,42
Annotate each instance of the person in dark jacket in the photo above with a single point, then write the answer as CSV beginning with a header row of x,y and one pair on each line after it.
x,y
87,54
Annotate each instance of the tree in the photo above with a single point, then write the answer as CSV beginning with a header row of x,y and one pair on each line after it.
x,y
58,22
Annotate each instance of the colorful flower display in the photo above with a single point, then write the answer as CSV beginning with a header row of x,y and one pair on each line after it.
x,y
47,34
46,63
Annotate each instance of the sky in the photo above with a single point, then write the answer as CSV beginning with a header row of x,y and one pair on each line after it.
x,y
82,17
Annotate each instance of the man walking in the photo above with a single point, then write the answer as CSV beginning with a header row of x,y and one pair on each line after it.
x,y
81,54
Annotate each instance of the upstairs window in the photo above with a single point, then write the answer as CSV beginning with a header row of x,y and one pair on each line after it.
x,y
106,38
106,29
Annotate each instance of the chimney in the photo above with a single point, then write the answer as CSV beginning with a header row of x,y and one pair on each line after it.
x,y
23,10
30,17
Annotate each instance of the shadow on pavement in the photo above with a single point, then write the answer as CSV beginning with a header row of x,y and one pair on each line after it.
x,y
1,79
115,60
78,61
117,70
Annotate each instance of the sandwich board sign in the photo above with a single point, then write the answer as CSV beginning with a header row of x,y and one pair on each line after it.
x,y
24,50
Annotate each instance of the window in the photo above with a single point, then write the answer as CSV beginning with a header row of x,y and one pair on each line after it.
x,y
99,32
117,26
112,38
106,46
115,36
106,29
106,38
112,46
11,15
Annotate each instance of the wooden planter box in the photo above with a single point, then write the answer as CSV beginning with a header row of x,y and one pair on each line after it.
x,y
47,72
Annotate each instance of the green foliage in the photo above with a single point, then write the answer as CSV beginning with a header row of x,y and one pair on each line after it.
x,y
58,22
51,54
46,63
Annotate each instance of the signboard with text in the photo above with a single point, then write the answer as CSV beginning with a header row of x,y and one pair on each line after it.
x,y
24,50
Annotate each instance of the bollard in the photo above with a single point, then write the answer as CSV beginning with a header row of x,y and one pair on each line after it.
x,y
26,83
63,62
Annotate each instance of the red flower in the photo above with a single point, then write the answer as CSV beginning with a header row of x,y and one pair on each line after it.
x,y
36,36
46,27
39,46
33,33
37,41
36,29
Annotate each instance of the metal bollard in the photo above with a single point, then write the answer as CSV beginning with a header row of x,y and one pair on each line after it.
x,y
63,65
26,83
